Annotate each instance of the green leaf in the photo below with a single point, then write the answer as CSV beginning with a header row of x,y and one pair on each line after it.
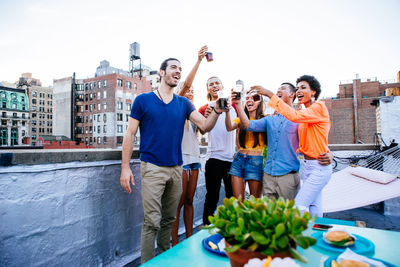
x,y
282,242
259,238
305,241
296,255
233,248
271,207
279,230
268,252
241,224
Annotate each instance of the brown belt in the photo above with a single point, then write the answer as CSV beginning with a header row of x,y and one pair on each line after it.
x,y
309,158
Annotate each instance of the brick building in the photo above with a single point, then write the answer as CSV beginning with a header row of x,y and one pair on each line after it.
x,y
353,112
95,111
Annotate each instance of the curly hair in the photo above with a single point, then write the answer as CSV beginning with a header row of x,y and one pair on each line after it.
x,y
313,82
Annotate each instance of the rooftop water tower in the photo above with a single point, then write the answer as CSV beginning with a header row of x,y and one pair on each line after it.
x,y
134,55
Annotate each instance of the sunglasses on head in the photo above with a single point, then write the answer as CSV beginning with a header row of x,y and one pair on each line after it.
x,y
255,98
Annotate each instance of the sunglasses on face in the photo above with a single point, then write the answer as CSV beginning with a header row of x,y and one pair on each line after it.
x,y
254,97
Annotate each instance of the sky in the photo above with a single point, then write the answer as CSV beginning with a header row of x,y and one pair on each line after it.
x,y
261,42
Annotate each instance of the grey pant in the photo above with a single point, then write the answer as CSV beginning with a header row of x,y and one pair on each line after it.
x,y
285,186
161,191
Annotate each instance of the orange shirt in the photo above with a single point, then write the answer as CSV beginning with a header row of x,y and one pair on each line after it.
x,y
249,139
313,122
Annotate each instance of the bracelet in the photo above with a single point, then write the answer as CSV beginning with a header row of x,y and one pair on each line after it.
x,y
213,108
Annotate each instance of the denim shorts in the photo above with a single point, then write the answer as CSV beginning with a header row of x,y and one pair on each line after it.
x,y
248,167
192,166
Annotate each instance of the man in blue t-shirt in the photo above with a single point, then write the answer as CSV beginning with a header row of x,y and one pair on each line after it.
x,y
281,178
160,115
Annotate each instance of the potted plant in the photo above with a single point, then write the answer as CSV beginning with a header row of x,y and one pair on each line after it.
x,y
261,227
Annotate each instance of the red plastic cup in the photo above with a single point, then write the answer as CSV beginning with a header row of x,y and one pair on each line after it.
x,y
209,56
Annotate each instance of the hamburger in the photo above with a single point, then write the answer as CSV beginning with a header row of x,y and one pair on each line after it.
x,y
353,263
339,238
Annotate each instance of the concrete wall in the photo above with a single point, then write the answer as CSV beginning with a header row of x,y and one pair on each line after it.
x,y
73,214
390,118
62,107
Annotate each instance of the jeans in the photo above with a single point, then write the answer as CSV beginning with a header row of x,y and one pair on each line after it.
x,y
216,170
314,177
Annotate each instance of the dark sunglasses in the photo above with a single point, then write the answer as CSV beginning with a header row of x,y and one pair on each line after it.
x,y
255,98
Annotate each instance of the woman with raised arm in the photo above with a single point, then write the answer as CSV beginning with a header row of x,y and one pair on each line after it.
x,y
190,157
247,166
314,125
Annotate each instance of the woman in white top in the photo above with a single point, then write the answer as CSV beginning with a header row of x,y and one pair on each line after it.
x,y
191,159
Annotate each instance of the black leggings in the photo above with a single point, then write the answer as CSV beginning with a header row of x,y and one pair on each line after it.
x,y
216,170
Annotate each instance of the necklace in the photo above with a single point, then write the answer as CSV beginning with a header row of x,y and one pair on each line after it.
x,y
158,92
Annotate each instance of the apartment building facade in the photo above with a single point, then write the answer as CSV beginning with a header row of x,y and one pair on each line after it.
x,y
14,116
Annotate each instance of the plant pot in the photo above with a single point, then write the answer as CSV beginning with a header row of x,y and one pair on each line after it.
x,y
242,256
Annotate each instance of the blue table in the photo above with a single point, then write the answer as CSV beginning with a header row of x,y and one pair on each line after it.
x,y
190,252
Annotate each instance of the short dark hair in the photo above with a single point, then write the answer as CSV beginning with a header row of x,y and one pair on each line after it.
x,y
164,64
292,88
313,82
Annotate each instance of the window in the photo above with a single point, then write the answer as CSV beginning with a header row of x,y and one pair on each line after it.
x,y
33,108
126,117
86,118
34,122
13,96
15,115
104,129
23,107
104,83
98,106
86,107
34,93
22,98
90,129
120,139
128,106
4,114
119,82
86,86
86,141
99,84
104,118
91,97
128,85
135,86
33,130
90,118
86,97
119,128
98,129
98,140
98,96
3,95
14,106
91,108
4,104
105,94
86,129
105,106
119,116
23,115
91,86
104,140
119,105
98,117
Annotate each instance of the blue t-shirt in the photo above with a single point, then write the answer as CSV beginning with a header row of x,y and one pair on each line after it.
x,y
283,141
161,128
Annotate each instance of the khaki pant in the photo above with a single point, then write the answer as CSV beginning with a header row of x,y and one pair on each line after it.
x,y
161,191
285,186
